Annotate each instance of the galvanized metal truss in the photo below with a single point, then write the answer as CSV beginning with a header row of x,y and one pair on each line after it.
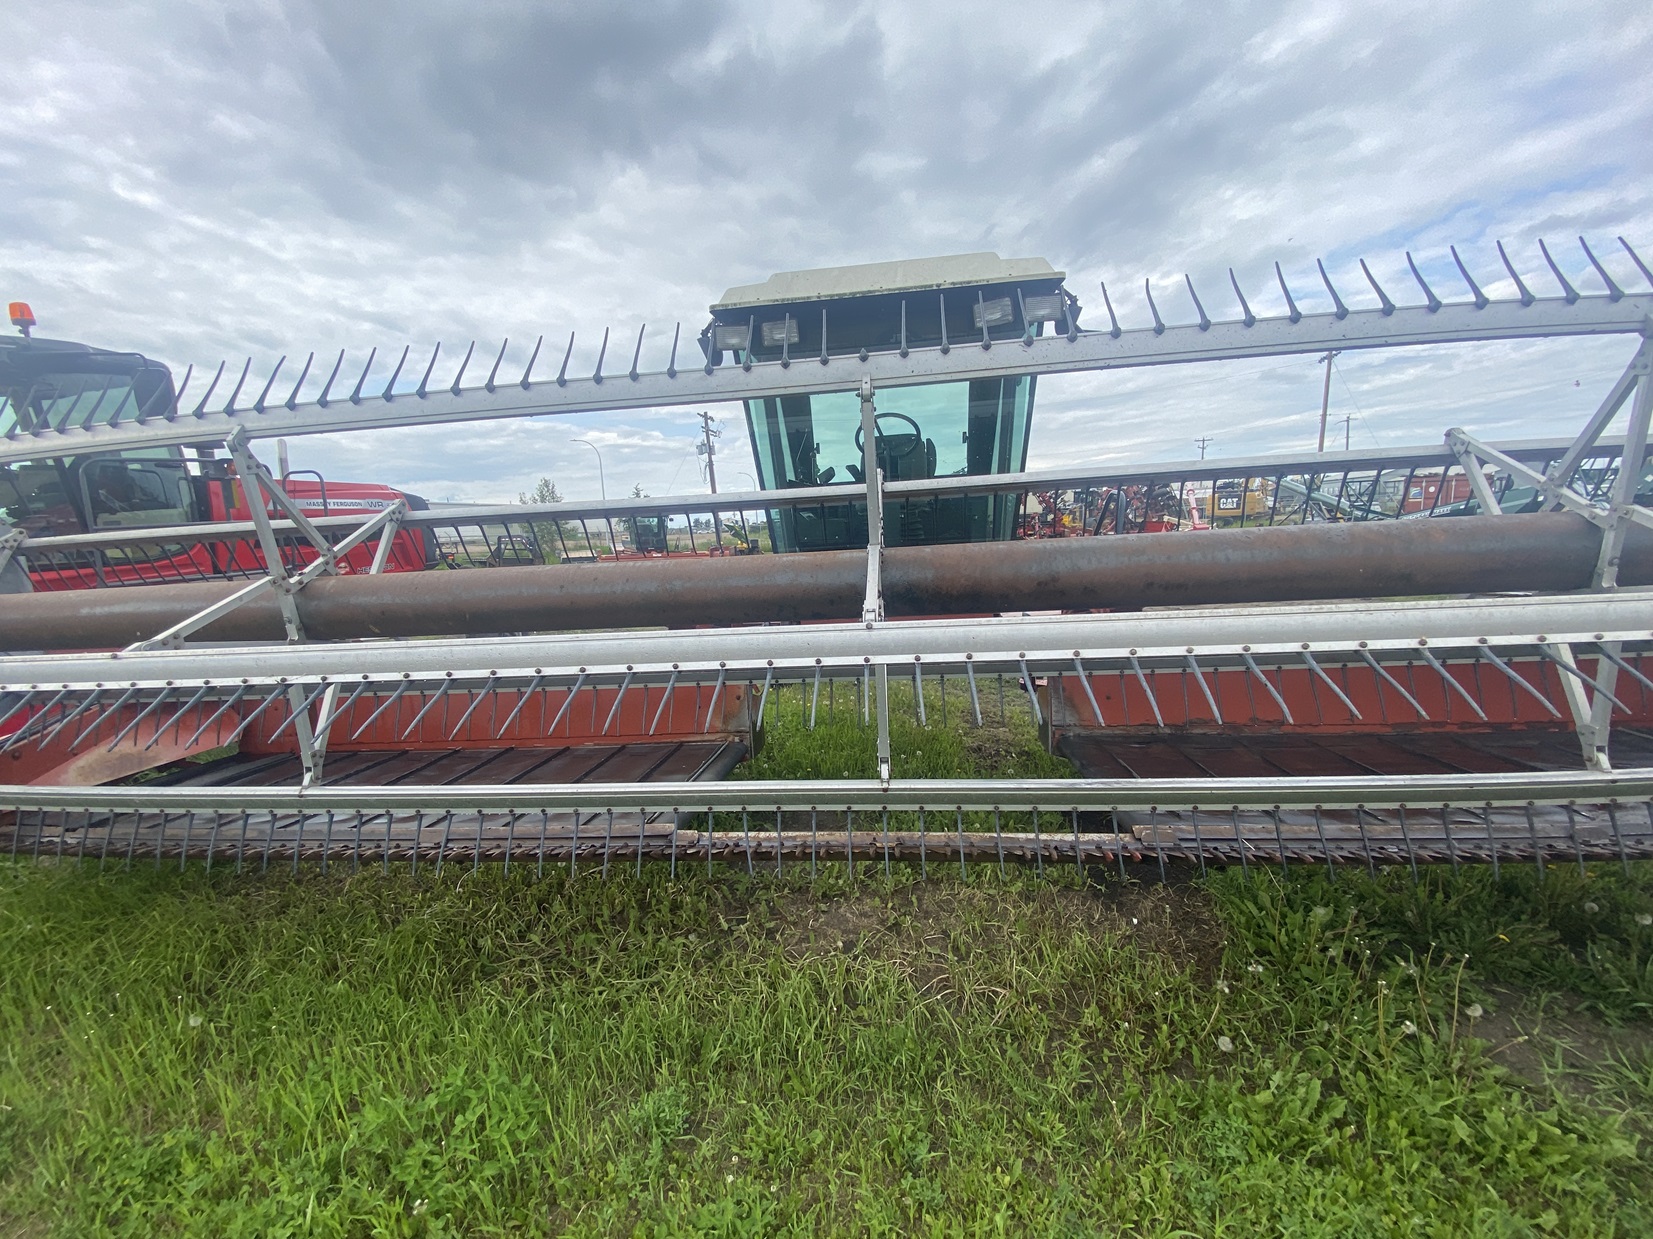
x,y
1390,325
1363,485
1557,659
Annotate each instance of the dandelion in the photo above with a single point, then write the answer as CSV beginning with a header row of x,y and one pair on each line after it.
x,y
1409,1028
419,1206
1474,1011
1134,921
728,1178
1644,919
1253,967
195,1021
1225,1045
1592,908
1222,987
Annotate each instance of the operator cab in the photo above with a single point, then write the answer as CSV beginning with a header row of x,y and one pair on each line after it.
x,y
937,430
48,386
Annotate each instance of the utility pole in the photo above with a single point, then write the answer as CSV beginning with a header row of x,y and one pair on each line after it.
x,y
1348,420
711,469
1325,400
1200,443
711,472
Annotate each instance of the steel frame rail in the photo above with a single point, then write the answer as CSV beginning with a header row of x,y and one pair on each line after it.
x,y
1389,326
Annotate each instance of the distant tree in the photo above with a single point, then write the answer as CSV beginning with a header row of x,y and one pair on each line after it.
x,y
547,534
545,491
637,492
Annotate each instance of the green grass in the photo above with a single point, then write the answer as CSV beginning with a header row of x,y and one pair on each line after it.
x,y
502,1054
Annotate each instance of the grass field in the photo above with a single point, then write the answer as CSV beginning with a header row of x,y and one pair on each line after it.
x,y
493,1054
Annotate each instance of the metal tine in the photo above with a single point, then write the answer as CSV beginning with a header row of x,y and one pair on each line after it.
x,y
1394,683
1210,700
258,405
23,732
292,397
527,370
142,714
562,374
677,329
147,407
424,382
97,722
1153,702
86,422
1085,683
1113,319
1430,298
568,701
178,396
235,697
597,374
115,417
70,717
494,372
338,712
1568,293
665,700
1294,314
407,683
1622,665
356,392
1474,288
1342,310
1451,683
815,695
487,689
1640,265
327,387
521,701
1518,679
903,348
1159,325
918,692
1383,297
1205,322
395,374
620,696
637,353
1330,683
1550,654
1285,710
176,719
975,701
1614,292
1032,694
465,361
229,405
981,306
279,692
1249,319
1526,293
293,715
945,347
201,408
763,697
1027,327
717,692
437,696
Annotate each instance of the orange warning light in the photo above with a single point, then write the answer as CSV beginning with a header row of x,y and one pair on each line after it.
x,y
21,315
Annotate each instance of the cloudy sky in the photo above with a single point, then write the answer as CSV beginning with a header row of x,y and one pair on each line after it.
x,y
197,180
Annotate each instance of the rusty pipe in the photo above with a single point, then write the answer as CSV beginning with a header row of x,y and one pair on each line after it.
x,y
1485,554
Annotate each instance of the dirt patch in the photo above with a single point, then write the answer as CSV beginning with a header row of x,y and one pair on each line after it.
x,y
1177,922
1541,1037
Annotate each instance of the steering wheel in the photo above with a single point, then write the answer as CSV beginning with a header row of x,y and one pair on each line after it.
x,y
918,435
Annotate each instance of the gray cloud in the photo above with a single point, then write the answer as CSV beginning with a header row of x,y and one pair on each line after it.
x,y
213,179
